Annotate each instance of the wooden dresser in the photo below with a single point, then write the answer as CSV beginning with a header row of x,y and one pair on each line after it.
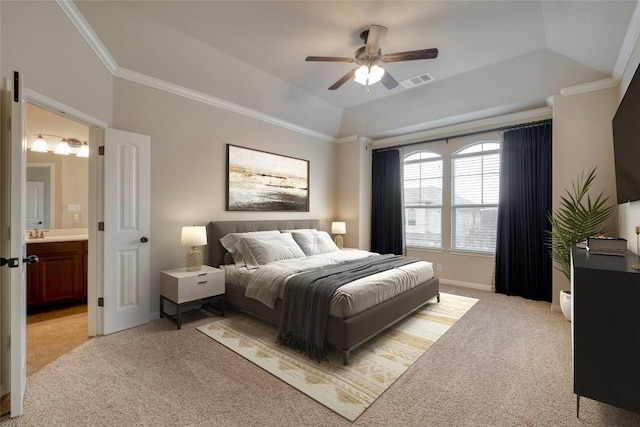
x,y
606,329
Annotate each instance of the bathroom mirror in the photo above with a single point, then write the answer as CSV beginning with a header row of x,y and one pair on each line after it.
x,y
57,184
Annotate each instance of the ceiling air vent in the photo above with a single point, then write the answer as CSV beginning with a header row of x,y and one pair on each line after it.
x,y
417,80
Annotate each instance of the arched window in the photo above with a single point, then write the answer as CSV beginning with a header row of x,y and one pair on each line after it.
x,y
423,199
474,197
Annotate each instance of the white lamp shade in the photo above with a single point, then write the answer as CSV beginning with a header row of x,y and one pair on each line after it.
x,y
84,150
375,74
362,74
63,148
40,145
338,228
368,76
195,235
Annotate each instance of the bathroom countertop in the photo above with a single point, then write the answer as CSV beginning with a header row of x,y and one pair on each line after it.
x,y
60,235
49,239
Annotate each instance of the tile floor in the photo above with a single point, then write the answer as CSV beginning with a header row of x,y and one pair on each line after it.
x,y
54,333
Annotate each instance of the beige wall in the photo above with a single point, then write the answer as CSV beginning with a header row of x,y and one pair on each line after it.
x,y
38,40
583,138
353,195
188,166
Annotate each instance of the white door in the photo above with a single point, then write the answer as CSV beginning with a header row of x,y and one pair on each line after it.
x,y
14,146
35,204
126,229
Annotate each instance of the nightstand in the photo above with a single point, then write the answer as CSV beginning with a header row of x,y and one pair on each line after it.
x,y
182,287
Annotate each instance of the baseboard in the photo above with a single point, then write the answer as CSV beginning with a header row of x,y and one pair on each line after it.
x,y
471,285
556,308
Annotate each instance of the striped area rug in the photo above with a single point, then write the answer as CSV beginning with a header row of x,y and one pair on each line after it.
x,y
373,367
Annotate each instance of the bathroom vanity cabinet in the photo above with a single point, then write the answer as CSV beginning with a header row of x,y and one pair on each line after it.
x,y
61,275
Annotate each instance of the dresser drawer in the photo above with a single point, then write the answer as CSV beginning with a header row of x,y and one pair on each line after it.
x,y
180,286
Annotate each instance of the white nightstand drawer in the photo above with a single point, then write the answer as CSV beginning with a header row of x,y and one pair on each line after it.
x,y
181,286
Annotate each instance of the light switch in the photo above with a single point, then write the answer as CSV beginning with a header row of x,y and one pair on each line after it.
x,y
73,207
76,217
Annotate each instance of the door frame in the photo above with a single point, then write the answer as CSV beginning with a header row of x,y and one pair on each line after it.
x,y
95,284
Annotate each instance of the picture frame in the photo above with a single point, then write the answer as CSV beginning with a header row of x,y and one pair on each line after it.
x,y
262,181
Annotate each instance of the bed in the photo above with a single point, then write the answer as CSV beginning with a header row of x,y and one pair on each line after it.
x,y
344,330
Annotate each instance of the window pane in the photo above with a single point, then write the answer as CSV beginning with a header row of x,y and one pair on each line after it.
x,y
475,229
423,199
476,181
423,227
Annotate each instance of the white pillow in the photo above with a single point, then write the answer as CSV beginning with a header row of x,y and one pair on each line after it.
x,y
259,252
230,243
314,242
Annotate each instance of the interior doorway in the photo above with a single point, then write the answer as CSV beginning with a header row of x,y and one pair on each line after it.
x,y
57,182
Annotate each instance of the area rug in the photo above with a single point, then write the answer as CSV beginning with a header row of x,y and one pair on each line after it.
x,y
373,367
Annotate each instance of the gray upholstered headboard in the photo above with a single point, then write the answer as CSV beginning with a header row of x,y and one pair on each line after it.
x,y
218,229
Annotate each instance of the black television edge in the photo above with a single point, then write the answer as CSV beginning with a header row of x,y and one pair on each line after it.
x,y
626,143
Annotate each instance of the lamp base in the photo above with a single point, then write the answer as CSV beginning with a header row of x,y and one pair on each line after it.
x,y
339,241
194,259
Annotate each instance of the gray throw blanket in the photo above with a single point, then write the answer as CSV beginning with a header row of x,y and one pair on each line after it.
x,y
307,299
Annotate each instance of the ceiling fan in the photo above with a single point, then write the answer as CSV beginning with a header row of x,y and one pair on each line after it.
x,y
368,56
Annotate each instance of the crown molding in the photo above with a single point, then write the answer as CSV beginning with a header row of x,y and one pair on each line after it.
x,y
628,44
163,85
589,87
81,24
83,27
463,123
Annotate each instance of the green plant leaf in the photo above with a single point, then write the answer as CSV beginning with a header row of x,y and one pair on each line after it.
x,y
576,219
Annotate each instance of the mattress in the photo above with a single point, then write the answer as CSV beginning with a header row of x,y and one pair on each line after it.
x,y
266,283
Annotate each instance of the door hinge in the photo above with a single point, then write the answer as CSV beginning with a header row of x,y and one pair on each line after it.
x,y
100,302
101,226
101,150
16,86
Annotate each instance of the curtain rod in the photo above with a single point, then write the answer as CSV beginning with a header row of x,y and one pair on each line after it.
x,y
462,135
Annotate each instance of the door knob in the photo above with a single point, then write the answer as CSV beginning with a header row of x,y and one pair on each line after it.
x,y
10,262
144,239
31,259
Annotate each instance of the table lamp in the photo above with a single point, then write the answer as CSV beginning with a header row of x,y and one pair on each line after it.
x,y
194,236
338,228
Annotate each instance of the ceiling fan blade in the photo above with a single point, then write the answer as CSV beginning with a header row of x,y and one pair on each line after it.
x,y
375,38
343,79
388,81
411,55
328,59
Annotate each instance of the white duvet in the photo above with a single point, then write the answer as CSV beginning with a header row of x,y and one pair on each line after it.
x,y
266,283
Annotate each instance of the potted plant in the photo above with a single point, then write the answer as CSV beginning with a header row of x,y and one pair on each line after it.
x,y
577,218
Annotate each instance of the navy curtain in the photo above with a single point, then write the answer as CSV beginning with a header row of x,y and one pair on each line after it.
x,y
386,203
523,263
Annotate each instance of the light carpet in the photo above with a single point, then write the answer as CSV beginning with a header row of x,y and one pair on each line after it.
x,y
373,367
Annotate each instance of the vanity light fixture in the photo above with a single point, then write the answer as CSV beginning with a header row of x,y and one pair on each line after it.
x,y
40,145
65,147
84,150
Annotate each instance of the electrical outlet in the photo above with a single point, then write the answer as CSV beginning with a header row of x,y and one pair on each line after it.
x,y
439,267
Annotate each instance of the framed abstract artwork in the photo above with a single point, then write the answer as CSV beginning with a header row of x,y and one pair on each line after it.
x,y
261,181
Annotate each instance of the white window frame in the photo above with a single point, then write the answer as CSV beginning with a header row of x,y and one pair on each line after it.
x,y
406,207
458,154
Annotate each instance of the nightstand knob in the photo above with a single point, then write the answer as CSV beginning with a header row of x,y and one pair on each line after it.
x,y
144,239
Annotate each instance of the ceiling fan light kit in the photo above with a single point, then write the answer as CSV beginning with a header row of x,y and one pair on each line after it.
x,y
369,75
368,56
